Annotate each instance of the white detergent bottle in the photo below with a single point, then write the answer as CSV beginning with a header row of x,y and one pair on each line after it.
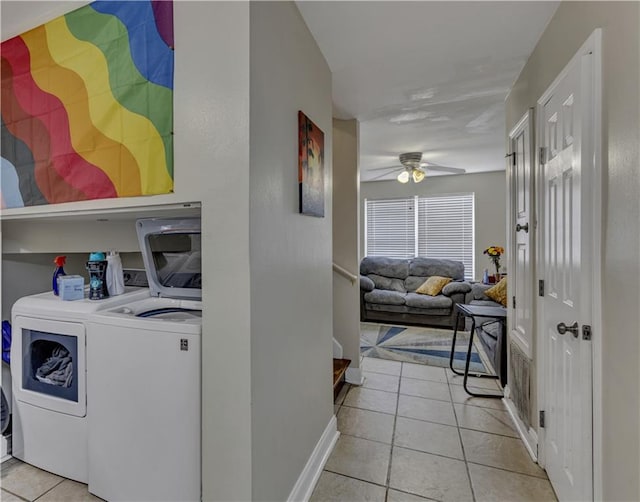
x,y
115,276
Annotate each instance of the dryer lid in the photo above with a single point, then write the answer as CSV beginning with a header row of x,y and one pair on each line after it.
x,y
171,252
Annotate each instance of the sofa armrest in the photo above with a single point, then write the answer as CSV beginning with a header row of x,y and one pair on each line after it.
x,y
366,284
477,292
456,287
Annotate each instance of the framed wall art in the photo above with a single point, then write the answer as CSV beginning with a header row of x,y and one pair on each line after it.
x,y
310,167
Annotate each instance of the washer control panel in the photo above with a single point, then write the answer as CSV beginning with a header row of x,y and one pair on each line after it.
x,y
135,277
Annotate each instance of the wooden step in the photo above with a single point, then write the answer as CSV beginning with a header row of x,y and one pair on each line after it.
x,y
339,369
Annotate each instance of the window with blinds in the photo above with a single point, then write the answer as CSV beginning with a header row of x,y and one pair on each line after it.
x,y
391,228
439,226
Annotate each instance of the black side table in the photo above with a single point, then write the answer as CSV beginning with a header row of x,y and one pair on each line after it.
x,y
490,314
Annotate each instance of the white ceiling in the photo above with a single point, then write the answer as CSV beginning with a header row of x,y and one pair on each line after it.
x,y
426,76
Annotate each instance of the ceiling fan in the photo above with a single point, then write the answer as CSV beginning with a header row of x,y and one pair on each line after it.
x,y
413,168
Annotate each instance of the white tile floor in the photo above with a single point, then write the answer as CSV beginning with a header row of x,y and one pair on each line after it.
x,y
412,433
22,481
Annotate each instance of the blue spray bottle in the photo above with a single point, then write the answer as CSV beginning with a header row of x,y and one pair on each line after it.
x,y
59,261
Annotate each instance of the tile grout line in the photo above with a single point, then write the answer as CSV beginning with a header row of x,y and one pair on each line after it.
x,y
393,435
504,469
354,478
15,494
430,453
55,486
464,453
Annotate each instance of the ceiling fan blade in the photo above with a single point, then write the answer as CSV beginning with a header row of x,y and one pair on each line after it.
x,y
444,169
388,167
395,169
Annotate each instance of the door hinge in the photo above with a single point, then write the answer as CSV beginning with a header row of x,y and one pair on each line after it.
x,y
586,332
541,287
543,155
542,423
514,302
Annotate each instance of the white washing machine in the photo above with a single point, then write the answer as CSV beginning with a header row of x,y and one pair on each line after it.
x,y
48,373
144,429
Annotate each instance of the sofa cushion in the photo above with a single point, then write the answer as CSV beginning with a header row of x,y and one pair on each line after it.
x,y
429,313
413,282
381,307
382,296
477,292
433,285
427,267
388,267
388,283
456,287
428,302
366,284
484,303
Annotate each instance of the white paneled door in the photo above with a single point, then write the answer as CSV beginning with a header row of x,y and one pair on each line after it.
x,y
565,115
521,277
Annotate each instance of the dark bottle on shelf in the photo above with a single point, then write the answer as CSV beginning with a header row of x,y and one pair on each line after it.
x,y
97,268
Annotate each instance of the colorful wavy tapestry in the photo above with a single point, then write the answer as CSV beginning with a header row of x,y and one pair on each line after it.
x,y
87,105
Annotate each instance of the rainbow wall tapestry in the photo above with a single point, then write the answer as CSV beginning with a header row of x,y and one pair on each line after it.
x,y
87,105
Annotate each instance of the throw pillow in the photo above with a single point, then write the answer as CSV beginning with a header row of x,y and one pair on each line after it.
x,y
498,293
433,285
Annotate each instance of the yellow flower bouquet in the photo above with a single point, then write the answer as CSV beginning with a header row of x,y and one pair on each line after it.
x,y
494,253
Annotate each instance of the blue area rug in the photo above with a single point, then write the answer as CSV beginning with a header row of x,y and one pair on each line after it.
x,y
430,346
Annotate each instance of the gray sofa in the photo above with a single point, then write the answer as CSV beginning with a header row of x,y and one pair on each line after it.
x,y
387,287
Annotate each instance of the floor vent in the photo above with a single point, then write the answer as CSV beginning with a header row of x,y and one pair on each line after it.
x,y
519,383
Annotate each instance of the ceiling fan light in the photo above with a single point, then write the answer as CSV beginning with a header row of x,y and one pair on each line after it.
x,y
418,175
403,177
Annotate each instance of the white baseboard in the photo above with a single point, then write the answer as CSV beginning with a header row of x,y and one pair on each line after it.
x,y
529,437
308,478
5,442
354,376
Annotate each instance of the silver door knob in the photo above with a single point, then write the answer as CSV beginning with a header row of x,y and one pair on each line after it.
x,y
563,328
524,227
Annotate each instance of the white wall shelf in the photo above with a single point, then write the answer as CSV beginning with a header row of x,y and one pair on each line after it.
x,y
69,213
83,230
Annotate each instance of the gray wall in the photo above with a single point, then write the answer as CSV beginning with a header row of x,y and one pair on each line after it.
x,y
490,209
620,258
346,188
28,274
291,278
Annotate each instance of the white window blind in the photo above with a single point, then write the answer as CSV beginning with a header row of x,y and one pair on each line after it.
x,y
439,226
391,229
445,229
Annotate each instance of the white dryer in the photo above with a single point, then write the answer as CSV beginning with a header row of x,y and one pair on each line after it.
x,y
48,373
144,430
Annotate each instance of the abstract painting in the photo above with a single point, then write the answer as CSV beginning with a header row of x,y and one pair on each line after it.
x,y
87,105
310,167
